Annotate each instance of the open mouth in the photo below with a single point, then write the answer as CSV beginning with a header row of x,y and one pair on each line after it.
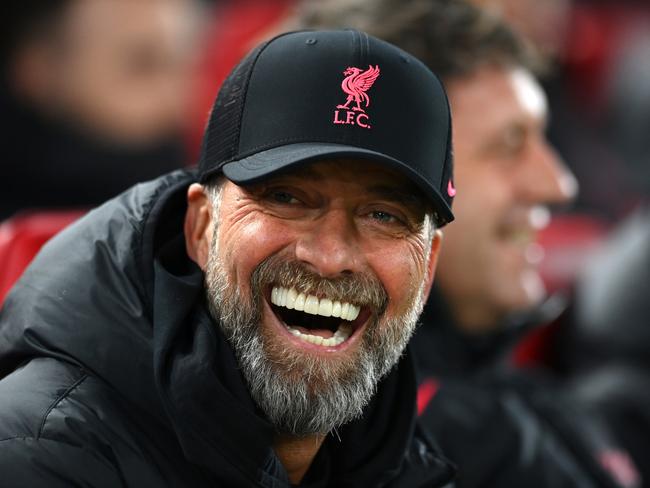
x,y
319,321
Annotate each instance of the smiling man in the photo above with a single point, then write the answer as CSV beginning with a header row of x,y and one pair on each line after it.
x,y
517,175
246,324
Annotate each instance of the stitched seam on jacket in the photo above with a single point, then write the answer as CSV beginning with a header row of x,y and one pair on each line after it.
x,y
19,438
56,402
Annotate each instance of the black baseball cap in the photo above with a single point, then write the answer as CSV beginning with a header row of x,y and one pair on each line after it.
x,y
310,96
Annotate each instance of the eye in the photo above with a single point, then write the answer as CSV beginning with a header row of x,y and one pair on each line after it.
x,y
280,196
383,217
392,219
513,140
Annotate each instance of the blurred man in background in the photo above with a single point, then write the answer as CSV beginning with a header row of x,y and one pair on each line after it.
x,y
93,97
501,428
506,172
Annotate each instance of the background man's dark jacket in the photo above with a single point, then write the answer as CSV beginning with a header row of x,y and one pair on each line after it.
x,y
606,346
48,163
113,374
504,427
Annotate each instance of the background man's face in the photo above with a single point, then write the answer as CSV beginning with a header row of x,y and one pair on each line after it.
x,y
119,68
505,173
344,236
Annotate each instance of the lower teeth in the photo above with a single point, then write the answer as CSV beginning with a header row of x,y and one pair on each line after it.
x,y
341,335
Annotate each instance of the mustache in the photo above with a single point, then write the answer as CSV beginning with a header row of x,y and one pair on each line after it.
x,y
360,288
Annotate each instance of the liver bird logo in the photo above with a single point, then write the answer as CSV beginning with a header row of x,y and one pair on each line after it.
x,y
356,83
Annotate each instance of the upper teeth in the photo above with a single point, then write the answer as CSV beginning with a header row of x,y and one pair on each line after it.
x,y
293,300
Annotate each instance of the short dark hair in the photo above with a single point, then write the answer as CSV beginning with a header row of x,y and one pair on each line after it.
x,y
452,37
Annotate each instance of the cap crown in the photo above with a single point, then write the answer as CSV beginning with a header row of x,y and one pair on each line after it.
x,y
335,87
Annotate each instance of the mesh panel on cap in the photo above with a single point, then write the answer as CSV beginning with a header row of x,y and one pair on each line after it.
x,y
221,139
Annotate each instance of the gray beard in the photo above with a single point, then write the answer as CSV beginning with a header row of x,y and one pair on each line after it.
x,y
300,393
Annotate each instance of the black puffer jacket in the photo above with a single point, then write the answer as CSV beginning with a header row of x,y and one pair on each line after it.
x,y
113,375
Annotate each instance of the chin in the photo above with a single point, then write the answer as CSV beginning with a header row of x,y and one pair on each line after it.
x,y
533,286
527,291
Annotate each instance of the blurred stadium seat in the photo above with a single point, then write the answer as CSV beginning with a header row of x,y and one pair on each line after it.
x,y
238,26
22,236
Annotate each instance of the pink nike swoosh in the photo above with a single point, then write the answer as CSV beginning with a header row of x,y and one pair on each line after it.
x,y
451,191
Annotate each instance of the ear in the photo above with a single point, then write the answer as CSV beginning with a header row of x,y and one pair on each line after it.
x,y
198,226
436,242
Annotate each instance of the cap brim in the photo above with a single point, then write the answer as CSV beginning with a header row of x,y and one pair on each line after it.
x,y
255,168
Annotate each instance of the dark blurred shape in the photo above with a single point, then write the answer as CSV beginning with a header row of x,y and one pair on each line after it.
x,y
628,102
607,351
600,97
48,164
93,97
613,300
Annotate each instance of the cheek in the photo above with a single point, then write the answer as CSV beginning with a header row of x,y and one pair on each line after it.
x,y
401,270
245,245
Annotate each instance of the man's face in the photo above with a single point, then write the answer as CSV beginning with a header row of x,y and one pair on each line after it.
x,y
118,68
505,174
317,277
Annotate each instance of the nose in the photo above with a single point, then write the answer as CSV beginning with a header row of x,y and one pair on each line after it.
x,y
330,246
546,179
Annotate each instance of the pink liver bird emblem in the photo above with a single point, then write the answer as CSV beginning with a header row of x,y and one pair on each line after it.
x,y
356,83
